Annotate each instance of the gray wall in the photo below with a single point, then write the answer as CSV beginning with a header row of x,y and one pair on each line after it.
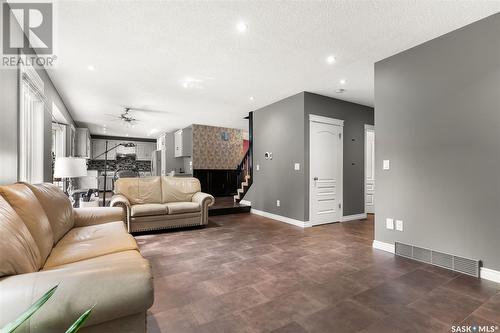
x,y
9,108
8,125
283,129
355,117
438,122
279,128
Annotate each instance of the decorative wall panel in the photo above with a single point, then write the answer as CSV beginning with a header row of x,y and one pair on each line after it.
x,y
216,147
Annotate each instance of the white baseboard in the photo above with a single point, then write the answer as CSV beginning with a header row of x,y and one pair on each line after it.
x,y
280,218
384,246
353,217
245,202
485,273
490,274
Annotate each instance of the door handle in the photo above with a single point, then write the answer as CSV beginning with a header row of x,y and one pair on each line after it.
x,y
315,178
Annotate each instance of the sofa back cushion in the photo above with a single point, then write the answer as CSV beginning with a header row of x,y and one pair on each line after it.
x,y
179,189
57,206
19,253
140,190
26,205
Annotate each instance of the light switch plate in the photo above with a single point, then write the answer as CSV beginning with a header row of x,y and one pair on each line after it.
x,y
257,167
386,165
399,225
297,166
389,223
277,203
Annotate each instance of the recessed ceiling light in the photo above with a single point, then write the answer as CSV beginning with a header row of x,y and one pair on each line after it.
x,y
241,27
91,68
343,81
340,91
251,98
330,59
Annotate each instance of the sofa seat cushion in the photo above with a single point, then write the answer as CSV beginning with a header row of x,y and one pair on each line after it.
x,y
148,210
118,284
183,207
90,242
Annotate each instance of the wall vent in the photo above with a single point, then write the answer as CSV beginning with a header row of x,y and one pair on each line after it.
x,y
448,261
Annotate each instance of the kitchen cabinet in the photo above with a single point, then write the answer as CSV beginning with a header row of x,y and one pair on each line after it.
x,y
183,142
160,142
99,147
82,138
144,150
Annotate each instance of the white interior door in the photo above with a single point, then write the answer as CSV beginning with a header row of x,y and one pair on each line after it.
x,y
369,169
326,154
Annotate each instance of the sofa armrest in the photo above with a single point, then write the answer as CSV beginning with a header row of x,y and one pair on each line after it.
x,y
117,288
119,200
98,215
205,200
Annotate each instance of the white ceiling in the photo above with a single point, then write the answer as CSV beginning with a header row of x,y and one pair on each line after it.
x,y
143,51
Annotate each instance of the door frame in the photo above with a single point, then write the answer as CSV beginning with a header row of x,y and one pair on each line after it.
x,y
340,123
366,129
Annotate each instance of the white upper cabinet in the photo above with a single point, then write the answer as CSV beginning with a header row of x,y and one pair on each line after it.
x,y
82,141
99,147
183,145
144,150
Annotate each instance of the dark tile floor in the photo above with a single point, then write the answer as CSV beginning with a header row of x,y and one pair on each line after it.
x,y
248,274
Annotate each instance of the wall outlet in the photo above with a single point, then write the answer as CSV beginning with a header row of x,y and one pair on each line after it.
x,y
389,223
297,166
399,225
257,167
277,203
386,164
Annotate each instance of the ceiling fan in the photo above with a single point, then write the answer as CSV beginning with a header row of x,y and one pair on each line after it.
x,y
128,119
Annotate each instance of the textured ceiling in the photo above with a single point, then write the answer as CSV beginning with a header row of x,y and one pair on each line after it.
x,y
186,58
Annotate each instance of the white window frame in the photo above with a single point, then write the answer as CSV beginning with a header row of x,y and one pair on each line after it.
x,y
31,126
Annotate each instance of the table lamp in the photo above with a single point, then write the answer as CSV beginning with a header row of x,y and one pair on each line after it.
x,y
70,167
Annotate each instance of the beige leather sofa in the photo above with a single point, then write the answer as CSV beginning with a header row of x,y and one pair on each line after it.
x,y
154,203
87,251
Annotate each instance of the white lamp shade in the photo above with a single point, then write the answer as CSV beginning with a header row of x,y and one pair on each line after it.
x,y
70,167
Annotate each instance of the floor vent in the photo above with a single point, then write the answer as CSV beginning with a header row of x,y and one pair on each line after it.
x,y
458,264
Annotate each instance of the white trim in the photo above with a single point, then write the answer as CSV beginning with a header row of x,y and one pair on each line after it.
x,y
340,123
353,217
485,273
387,247
326,120
245,202
490,274
367,128
280,218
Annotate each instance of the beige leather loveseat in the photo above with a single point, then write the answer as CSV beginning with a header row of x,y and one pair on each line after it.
x,y
154,203
87,251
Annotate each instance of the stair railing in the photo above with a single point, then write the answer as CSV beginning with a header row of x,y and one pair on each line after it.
x,y
244,169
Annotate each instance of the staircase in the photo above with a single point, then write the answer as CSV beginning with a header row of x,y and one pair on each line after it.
x,y
243,189
245,170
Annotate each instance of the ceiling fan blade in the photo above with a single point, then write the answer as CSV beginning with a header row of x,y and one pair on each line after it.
x,y
146,110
